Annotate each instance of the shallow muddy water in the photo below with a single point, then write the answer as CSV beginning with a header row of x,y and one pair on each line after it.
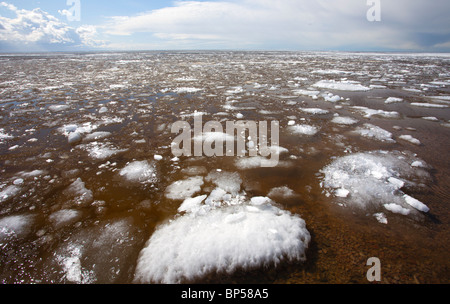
x,y
90,191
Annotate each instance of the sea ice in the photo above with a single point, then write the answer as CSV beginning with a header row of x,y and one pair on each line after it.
x,y
182,189
222,239
410,139
372,179
303,129
344,85
139,171
393,100
374,132
315,111
15,226
344,120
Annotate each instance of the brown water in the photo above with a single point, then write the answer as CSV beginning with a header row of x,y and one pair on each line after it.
x,y
139,91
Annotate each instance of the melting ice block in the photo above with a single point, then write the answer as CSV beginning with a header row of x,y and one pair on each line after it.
x,y
374,179
222,240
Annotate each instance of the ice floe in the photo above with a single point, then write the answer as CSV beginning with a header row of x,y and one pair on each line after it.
x,y
303,129
373,179
344,85
374,132
139,171
221,234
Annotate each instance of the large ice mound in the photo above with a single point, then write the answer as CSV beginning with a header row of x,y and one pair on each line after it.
x,y
220,233
373,179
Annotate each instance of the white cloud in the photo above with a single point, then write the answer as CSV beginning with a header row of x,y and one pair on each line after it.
x,y
293,23
36,28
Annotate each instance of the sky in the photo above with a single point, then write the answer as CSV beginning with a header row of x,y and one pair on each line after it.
x,y
292,25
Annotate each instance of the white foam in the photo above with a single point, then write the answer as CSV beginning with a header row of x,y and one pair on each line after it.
x,y
139,171
182,189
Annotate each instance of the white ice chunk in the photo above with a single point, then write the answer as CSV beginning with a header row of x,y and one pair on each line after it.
x,y
410,139
221,241
8,192
381,217
395,208
64,217
345,85
192,204
315,111
303,129
416,203
182,189
282,192
15,226
374,132
139,171
228,181
393,100
343,120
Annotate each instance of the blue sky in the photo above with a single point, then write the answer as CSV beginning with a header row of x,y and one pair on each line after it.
x,y
405,25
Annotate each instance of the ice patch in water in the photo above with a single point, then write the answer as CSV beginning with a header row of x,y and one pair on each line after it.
x,y
8,192
96,136
139,171
303,129
428,105
4,135
186,90
58,108
15,226
101,151
372,112
374,132
64,217
375,179
282,192
344,85
81,195
381,217
228,181
344,120
314,111
410,139
183,189
222,240
393,100
98,254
